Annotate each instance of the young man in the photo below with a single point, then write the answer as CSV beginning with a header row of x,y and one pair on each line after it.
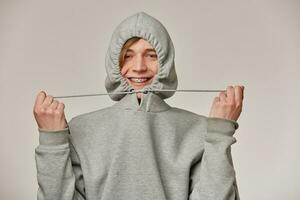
x,y
141,147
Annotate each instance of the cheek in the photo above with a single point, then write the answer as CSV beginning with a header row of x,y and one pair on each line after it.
x,y
154,68
123,70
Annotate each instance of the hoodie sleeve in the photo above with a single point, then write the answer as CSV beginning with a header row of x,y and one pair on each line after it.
x,y
59,173
213,176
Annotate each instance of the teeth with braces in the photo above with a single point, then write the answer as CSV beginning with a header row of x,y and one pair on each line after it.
x,y
139,80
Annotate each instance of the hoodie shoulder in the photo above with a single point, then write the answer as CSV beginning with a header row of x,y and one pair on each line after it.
x,y
187,114
84,118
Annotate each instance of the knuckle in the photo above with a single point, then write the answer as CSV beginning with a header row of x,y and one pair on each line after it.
x,y
223,103
231,104
239,105
38,110
42,110
35,111
49,111
57,112
50,97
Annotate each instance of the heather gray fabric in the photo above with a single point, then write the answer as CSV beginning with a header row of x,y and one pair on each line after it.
x,y
144,26
138,151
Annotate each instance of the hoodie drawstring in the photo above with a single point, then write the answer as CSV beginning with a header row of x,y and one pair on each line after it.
x,y
137,91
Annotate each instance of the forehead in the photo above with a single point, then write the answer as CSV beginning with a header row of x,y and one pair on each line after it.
x,y
141,44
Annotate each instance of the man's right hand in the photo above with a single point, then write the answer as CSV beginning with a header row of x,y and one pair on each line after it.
x,y
49,113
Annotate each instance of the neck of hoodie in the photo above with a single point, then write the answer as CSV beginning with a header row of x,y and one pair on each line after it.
x,y
149,102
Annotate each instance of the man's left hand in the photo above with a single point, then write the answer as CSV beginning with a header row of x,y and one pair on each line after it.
x,y
228,104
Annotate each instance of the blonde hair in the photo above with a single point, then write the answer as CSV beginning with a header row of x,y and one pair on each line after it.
x,y
127,44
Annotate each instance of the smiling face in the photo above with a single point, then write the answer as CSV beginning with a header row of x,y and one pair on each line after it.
x,y
139,64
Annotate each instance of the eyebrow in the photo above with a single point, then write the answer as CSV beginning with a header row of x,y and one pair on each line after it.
x,y
148,50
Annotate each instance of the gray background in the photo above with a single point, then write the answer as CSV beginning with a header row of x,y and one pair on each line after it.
x,y
59,46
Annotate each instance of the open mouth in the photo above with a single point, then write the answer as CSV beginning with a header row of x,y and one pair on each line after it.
x,y
139,80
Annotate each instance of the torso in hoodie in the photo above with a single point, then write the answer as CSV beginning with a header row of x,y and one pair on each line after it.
x,y
138,151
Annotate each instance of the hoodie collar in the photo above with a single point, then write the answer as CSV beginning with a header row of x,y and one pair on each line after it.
x,y
150,102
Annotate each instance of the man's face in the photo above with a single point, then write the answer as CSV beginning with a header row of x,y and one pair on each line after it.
x,y
140,65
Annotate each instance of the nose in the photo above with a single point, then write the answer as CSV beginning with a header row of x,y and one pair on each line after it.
x,y
139,64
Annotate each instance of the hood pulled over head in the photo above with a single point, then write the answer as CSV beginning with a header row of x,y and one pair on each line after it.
x,y
147,27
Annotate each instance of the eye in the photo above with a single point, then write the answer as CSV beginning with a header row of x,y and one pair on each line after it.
x,y
152,56
127,56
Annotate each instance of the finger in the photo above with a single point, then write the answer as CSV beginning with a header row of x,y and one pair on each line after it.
x,y
60,106
48,100
54,104
230,94
216,99
243,92
239,95
222,96
40,98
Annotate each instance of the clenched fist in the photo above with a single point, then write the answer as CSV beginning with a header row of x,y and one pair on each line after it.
x,y
49,113
228,104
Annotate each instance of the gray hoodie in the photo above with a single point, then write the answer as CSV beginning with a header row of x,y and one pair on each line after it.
x,y
138,151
